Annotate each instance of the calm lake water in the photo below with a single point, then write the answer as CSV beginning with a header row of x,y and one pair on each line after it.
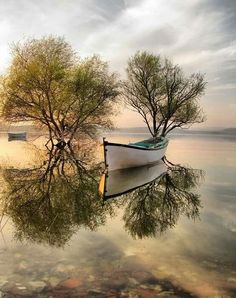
x,y
64,241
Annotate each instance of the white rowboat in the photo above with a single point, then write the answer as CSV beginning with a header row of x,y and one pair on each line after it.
x,y
120,156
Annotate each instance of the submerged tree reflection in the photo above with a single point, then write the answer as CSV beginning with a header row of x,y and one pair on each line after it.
x,y
157,206
48,203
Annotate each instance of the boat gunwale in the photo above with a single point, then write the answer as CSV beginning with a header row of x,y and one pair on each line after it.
x,y
135,147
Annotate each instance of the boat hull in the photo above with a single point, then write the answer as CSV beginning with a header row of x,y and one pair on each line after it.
x,y
119,156
12,136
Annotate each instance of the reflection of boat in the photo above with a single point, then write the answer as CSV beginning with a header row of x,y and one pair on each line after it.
x,y
12,136
119,156
118,182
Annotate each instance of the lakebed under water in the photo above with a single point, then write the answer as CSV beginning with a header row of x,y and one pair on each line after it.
x,y
92,250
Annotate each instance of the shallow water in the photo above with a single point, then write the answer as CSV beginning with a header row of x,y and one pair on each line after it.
x,y
93,250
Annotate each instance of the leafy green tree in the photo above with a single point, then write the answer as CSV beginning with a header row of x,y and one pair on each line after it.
x,y
160,92
49,85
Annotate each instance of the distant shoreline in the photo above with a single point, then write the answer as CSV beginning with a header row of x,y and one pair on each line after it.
x,y
144,131
128,131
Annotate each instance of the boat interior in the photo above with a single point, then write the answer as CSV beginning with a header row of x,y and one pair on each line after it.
x,y
151,143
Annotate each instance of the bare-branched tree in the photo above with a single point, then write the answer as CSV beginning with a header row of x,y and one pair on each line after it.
x,y
160,92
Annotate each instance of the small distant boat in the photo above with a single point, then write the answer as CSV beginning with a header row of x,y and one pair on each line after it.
x,y
17,136
118,182
120,156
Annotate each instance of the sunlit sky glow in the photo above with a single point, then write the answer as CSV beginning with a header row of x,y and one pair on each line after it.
x,y
199,35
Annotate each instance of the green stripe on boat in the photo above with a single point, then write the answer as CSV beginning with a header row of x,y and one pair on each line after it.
x,y
151,143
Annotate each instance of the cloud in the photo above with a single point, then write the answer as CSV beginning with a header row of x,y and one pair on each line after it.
x,y
199,34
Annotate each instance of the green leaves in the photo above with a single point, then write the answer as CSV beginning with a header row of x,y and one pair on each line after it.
x,y
49,85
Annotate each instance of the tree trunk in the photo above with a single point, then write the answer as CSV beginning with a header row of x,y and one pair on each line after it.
x,y
154,125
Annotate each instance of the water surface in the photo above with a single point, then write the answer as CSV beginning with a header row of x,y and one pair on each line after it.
x,y
78,247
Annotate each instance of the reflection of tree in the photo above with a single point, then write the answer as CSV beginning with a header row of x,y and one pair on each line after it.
x,y
156,207
47,203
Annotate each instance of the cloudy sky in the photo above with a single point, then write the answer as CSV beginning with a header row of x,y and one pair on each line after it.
x,y
199,35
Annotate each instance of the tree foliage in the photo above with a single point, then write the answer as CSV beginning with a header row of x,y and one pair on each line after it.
x,y
48,84
160,92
